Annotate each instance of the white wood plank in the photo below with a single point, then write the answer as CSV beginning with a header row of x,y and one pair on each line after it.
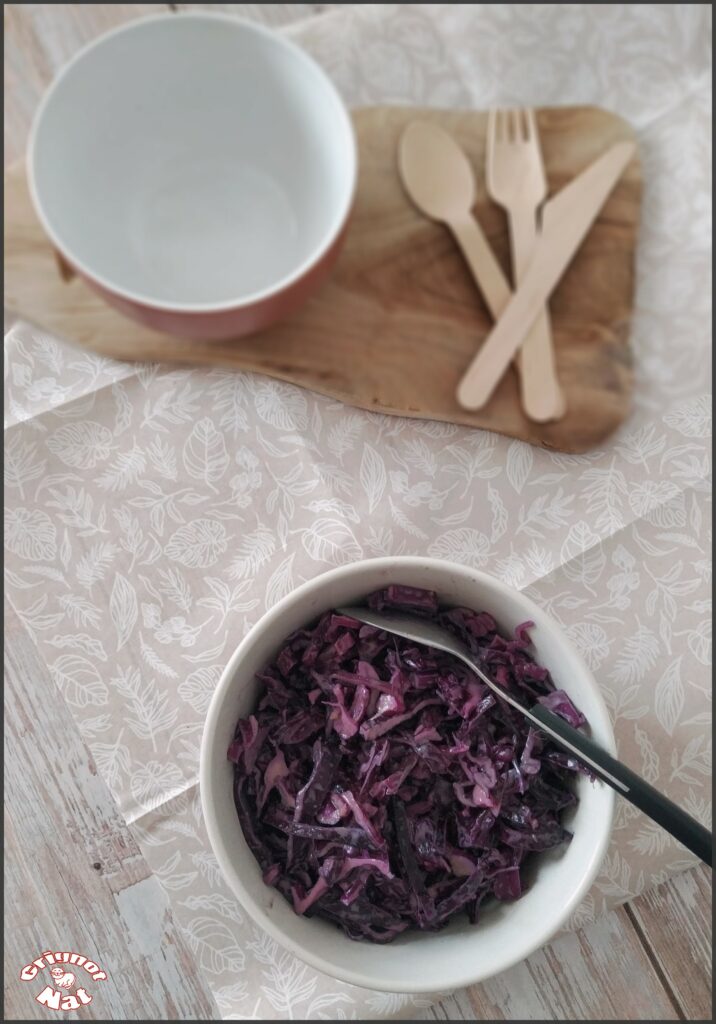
x,y
74,877
600,973
675,923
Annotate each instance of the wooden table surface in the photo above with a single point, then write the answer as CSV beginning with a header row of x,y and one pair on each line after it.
x,y
75,878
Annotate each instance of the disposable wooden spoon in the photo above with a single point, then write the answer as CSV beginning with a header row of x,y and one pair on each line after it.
x,y
440,181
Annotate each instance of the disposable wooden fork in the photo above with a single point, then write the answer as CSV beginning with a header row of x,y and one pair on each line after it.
x,y
516,180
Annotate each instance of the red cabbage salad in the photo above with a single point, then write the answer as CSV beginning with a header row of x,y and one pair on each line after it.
x,y
381,786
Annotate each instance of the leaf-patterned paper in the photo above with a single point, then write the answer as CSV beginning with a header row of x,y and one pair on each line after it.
x,y
153,514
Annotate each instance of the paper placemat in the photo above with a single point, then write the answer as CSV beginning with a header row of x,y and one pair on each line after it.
x,y
152,516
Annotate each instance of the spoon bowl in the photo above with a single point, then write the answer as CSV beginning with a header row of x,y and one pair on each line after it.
x,y
436,172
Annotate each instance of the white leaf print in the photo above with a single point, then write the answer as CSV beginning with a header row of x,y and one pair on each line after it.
x,y
75,508
334,506
416,452
372,476
30,534
323,1007
79,681
217,902
123,608
660,501
669,697
81,445
36,618
199,544
173,585
95,725
463,545
209,654
125,469
80,611
123,415
81,641
649,756
288,983
198,687
330,540
343,435
175,883
519,464
582,557
699,641
163,458
156,783
499,514
591,641
639,445
696,757
547,512
406,524
204,453
214,945
208,867
149,707
650,840
93,565
171,406
692,418
605,491
637,656
254,551
387,1004
263,948
281,581
280,405
228,996
113,760
20,465
65,551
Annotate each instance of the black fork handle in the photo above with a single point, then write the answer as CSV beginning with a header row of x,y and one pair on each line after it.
x,y
628,784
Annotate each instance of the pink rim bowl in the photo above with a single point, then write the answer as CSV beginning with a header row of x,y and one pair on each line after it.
x,y
197,170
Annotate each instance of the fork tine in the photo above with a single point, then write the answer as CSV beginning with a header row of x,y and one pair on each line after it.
x,y
515,132
492,123
524,125
532,133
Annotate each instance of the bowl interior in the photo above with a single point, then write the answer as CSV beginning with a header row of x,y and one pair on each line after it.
x,y
462,953
193,160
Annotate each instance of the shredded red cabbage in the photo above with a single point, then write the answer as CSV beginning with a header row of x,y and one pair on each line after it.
x,y
382,786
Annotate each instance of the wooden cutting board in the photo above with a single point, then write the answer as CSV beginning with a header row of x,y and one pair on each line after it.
x,y
400,319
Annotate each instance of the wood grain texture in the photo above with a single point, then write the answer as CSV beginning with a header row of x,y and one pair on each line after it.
x,y
602,972
400,319
675,924
74,876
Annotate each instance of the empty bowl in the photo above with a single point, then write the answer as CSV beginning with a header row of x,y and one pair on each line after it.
x,y
197,170
462,953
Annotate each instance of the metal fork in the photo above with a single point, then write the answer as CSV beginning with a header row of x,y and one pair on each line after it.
x,y
516,181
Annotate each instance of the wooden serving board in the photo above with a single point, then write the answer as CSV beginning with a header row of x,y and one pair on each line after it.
x,y
400,318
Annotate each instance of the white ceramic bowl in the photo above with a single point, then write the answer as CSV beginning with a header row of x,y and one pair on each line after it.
x,y
461,954
198,170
